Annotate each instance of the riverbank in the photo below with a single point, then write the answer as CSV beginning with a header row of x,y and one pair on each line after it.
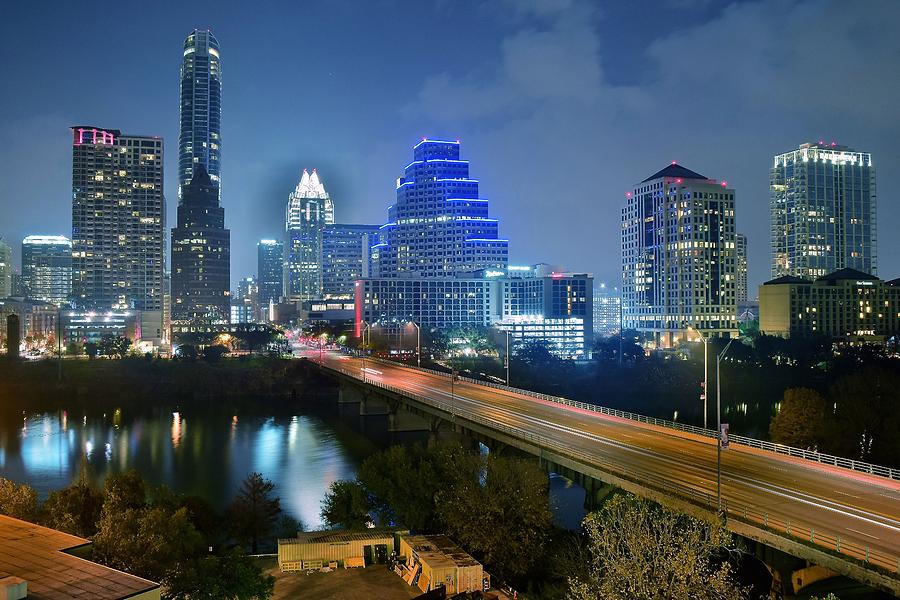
x,y
105,383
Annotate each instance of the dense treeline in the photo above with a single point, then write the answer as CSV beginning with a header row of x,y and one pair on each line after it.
x,y
152,532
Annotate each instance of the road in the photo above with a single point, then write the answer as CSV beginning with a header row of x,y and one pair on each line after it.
x,y
862,510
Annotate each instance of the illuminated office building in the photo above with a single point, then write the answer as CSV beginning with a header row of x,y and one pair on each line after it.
x,y
201,255
438,226
822,205
269,272
309,210
199,141
678,256
741,268
6,269
607,310
47,268
118,220
345,257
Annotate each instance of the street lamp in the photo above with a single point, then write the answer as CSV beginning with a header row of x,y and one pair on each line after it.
x,y
705,369
719,426
418,342
507,358
365,329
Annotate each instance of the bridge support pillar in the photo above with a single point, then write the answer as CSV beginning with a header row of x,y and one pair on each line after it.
x,y
349,394
401,420
595,493
373,404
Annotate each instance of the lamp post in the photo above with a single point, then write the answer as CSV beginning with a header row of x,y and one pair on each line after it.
x,y
719,426
507,358
705,370
418,342
365,329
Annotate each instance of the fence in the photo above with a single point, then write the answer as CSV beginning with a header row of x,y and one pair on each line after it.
x,y
795,530
811,455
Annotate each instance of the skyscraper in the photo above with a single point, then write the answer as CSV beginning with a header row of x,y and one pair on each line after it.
x,y
678,255
47,268
5,269
269,271
740,257
118,220
201,254
822,200
345,257
438,226
199,142
309,210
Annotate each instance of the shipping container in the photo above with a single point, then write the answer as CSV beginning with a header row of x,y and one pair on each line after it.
x,y
441,562
335,546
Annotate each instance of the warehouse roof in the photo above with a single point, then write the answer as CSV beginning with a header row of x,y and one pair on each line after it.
x,y
439,550
39,556
339,536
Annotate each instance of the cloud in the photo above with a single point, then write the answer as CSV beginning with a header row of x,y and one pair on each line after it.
x,y
722,95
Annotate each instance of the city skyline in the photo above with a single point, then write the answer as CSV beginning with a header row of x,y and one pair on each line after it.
x,y
584,171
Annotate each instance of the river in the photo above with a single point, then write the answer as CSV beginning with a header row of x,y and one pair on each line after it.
x,y
207,452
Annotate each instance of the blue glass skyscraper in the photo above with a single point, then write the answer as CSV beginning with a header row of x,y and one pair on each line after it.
x,y
201,108
439,226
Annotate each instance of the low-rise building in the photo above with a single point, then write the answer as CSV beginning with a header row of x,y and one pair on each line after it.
x,y
435,560
92,326
45,564
847,305
317,549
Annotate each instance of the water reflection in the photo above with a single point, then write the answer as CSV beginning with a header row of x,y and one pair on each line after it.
x,y
301,454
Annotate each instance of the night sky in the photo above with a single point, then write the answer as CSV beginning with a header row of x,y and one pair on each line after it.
x,y
560,105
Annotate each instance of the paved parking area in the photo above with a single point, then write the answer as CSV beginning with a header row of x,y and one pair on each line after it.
x,y
372,583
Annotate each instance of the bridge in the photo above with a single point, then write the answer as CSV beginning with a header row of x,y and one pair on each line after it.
x,y
835,513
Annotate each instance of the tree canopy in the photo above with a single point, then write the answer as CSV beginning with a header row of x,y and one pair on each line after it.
x,y
254,511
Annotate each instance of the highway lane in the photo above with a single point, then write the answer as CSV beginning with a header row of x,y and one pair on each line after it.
x,y
863,510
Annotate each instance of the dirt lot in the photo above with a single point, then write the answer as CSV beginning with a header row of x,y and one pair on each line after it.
x,y
372,583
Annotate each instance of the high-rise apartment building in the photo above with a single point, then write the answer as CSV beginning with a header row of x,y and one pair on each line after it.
x,y
5,269
741,268
678,255
200,142
309,210
47,268
201,254
439,226
118,221
269,271
345,257
822,201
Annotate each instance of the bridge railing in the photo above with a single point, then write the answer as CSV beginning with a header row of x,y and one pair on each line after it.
x,y
811,455
796,530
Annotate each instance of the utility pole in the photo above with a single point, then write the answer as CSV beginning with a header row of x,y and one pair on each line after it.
x,y
705,371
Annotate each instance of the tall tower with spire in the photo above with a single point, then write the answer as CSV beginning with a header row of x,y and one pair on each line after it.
x,y
309,210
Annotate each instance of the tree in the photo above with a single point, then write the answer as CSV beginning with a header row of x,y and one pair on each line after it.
x,y
346,506
536,353
642,551
867,416
187,352
233,576
501,514
124,491
75,509
117,346
18,500
254,511
91,349
801,420
74,349
215,353
148,541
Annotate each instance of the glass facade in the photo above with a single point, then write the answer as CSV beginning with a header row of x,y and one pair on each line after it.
x,y
740,252
345,257
118,224
201,254
47,268
269,271
438,226
678,255
822,205
200,142
5,269
607,311
309,210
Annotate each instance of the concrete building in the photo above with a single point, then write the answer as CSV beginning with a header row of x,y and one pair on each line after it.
x,y
47,268
6,269
199,139
315,549
90,326
741,268
37,319
678,256
438,226
822,204
201,254
269,272
847,305
345,257
309,210
45,564
118,224
329,310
